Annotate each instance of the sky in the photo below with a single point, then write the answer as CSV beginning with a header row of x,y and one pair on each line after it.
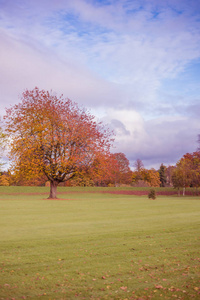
x,y
135,64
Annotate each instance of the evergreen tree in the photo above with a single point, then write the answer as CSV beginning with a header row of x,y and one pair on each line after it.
x,y
162,174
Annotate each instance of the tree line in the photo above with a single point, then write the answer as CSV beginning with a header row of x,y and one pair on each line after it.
x,y
54,141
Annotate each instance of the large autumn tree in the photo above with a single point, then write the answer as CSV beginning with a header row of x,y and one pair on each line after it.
x,y
53,136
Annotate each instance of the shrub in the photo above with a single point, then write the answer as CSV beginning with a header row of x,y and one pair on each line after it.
x,y
152,194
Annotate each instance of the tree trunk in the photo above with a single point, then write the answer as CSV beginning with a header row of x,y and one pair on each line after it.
x,y
53,190
183,191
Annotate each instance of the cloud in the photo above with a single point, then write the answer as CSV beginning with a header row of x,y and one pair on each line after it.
x,y
156,141
130,49
26,66
126,60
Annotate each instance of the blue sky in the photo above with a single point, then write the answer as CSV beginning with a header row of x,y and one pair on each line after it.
x,y
134,64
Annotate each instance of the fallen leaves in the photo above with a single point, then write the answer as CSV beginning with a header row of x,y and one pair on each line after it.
x,y
157,286
108,287
123,288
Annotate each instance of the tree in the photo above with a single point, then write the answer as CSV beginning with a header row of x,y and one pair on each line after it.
x,y
51,135
182,174
162,174
138,165
137,174
194,161
99,173
104,170
107,170
151,177
145,177
169,172
121,171
187,172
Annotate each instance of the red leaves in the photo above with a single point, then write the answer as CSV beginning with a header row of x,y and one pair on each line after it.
x,y
123,288
158,286
120,169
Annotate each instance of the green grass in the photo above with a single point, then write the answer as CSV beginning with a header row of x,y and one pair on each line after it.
x,y
98,246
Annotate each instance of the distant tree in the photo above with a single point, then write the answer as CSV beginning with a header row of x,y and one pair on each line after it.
x,y
107,170
162,174
187,171
182,174
151,177
194,161
169,172
138,165
146,177
99,173
177,179
137,175
122,172
51,135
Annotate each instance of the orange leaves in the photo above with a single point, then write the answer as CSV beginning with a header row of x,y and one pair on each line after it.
x,y
187,171
150,177
53,135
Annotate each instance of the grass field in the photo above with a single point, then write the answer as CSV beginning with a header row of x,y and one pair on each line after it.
x,y
98,246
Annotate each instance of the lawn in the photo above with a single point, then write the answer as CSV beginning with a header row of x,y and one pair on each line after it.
x,y
98,245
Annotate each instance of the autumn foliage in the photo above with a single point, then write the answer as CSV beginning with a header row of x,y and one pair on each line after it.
x,y
106,170
53,140
51,135
187,171
146,177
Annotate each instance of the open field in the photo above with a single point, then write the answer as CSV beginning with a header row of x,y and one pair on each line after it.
x,y
98,245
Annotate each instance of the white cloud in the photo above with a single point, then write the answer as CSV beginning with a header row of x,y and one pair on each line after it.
x,y
113,58
24,67
160,140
